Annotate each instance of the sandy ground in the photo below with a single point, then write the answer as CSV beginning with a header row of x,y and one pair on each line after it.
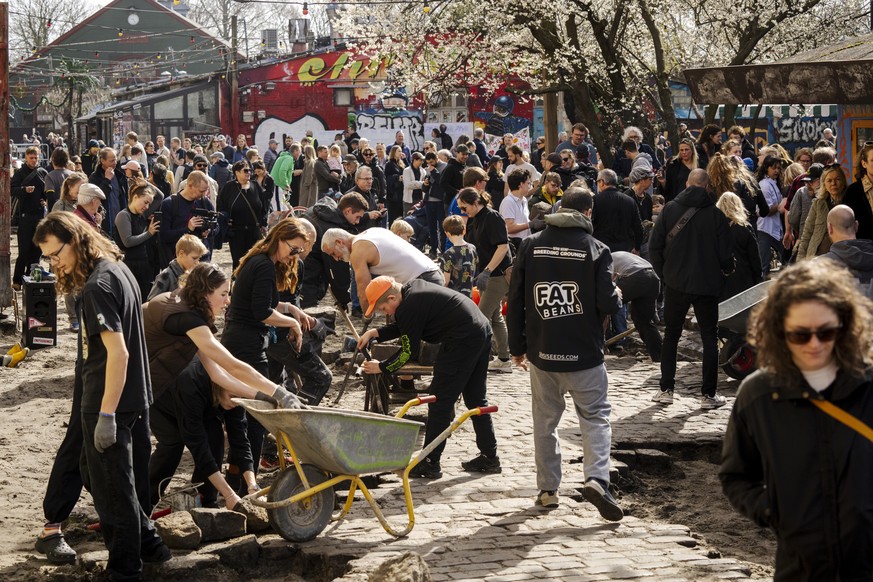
x,y
35,401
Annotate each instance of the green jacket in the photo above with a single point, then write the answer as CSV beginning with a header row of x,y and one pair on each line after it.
x,y
283,170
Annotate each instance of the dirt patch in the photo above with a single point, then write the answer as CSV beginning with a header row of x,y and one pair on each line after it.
x,y
690,493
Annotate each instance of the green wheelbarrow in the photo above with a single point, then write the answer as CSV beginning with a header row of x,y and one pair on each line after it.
x,y
328,446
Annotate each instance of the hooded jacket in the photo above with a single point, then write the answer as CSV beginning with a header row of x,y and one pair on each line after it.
x,y
318,266
857,255
788,465
560,290
616,220
283,170
699,256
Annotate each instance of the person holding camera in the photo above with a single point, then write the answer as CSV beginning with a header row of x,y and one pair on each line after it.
x,y
188,212
239,202
133,231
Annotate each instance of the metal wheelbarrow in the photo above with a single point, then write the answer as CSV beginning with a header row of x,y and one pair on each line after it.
x,y
328,446
736,357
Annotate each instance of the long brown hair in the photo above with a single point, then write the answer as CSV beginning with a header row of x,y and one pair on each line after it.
x,y
825,282
88,244
196,285
285,229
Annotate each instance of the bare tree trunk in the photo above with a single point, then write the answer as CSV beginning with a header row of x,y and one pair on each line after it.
x,y
5,199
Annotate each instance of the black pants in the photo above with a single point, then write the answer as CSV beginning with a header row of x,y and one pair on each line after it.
x,y
315,374
249,345
641,291
242,240
461,369
114,477
65,480
170,446
28,253
395,210
141,269
676,304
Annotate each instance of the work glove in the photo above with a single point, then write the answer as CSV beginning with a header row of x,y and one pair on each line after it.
x,y
482,280
287,400
265,398
104,433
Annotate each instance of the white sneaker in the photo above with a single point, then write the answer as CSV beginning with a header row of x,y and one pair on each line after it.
x,y
548,499
663,397
711,402
499,366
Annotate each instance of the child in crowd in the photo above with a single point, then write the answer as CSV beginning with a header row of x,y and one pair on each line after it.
x,y
460,262
403,229
189,249
335,159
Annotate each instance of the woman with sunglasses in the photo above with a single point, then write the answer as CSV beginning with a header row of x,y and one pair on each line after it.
x,y
786,463
267,269
678,169
241,204
133,233
185,358
814,239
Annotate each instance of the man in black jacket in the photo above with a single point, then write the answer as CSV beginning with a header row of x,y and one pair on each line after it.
x,y
28,186
560,290
437,314
112,180
453,176
691,252
616,218
326,179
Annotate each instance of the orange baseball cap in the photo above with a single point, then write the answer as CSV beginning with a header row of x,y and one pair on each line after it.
x,y
376,290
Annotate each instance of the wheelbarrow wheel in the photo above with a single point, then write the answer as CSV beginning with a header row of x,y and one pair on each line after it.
x,y
737,358
304,520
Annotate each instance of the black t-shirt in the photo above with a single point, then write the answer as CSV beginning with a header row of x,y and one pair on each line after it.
x,y
182,323
110,301
254,293
486,231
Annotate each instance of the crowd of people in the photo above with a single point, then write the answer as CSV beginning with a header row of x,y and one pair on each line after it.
x,y
507,259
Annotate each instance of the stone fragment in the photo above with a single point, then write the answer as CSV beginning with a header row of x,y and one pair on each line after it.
x,y
179,531
239,554
218,524
256,517
407,567
653,460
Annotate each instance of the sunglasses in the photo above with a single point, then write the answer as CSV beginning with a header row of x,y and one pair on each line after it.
x,y
566,159
246,171
827,334
292,249
199,165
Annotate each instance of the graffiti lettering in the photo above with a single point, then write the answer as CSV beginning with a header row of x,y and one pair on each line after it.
x,y
380,127
316,69
800,129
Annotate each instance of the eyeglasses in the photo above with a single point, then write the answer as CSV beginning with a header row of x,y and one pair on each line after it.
x,y
292,249
566,159
827,334
55,257
246,171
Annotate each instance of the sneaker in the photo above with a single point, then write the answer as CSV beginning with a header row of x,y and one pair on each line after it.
x,y
483,464
426,469
597,493
56,549
547,499
500,366
16,358
663,397
712,402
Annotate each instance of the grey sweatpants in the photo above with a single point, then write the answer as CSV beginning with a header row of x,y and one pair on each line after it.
x,y
588,390
491,306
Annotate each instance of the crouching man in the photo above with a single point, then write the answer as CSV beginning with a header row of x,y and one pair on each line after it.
x,y
560,291
436,314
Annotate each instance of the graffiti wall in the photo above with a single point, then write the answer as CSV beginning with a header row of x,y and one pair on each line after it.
x,y
797,132
501,114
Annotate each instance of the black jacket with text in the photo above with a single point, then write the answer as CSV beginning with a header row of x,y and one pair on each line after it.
x,y
559,292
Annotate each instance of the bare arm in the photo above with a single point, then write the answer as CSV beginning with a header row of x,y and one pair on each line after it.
x,y
116,370
499,253
363,255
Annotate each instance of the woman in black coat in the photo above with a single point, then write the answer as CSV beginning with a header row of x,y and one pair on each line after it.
x,y
240,202
745,245
394,183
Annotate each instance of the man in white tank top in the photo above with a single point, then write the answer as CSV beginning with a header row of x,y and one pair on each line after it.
x,y
378,251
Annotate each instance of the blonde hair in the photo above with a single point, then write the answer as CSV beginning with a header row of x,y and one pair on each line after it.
x,y
72,180
335,151
732,207
791,173
400,227
823,193
190,244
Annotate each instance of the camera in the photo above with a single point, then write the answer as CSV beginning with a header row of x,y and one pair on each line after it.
x,y
210,218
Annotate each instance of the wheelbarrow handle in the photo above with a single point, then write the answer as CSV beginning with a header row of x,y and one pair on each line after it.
x,y
488,409
427,399
430,399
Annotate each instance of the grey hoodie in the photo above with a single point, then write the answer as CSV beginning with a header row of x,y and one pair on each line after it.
x,y
857,255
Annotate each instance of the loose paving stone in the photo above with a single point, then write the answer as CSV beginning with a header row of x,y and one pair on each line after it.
x,y
219,524
179,531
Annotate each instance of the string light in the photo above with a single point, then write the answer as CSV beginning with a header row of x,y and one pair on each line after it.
x,y
426,7
48,23
305,9
120,33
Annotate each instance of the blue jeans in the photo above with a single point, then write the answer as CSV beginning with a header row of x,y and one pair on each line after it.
x,y
765,243
356,301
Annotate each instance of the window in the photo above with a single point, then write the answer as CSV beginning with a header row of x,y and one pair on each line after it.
x,y
343,97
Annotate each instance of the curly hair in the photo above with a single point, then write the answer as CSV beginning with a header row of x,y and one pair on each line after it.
x,y
722,173
195,287
286,229
88,245
821,281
